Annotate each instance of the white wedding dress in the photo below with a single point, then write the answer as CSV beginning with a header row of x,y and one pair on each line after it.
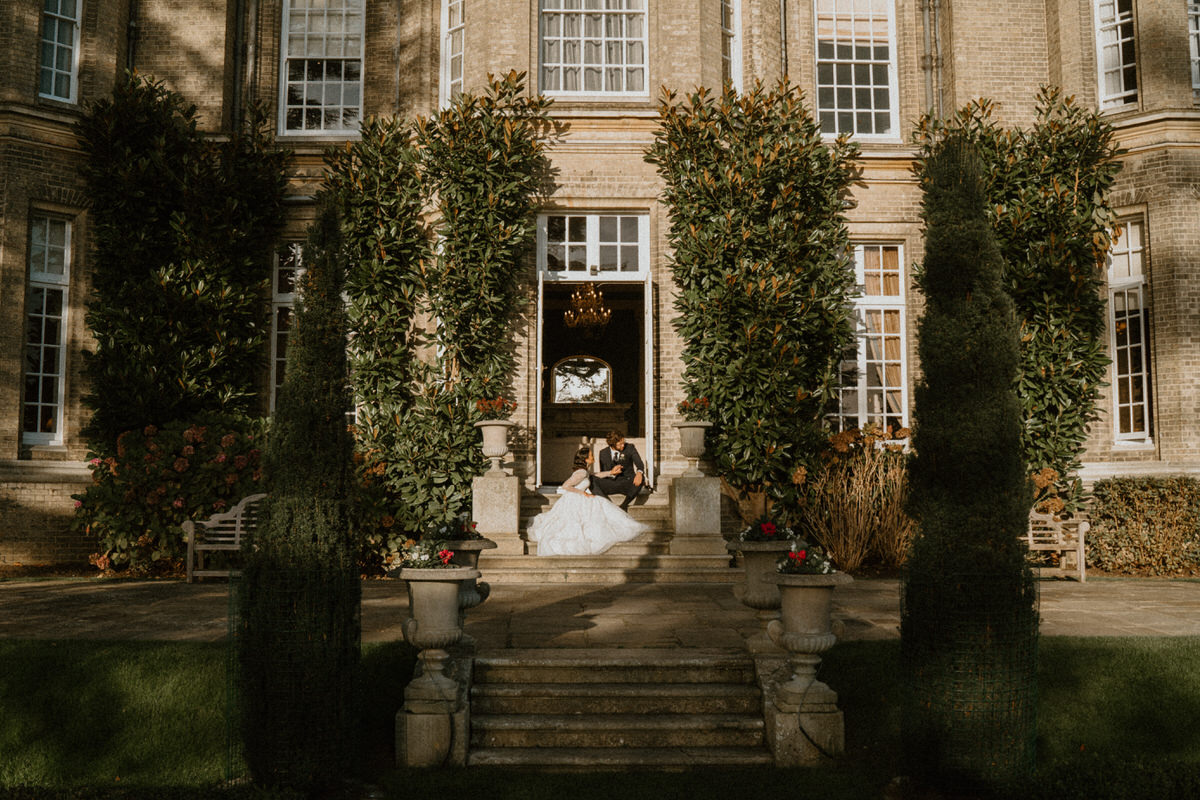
x,y
581,525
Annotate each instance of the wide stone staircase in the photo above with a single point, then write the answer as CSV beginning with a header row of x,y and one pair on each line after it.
x,y
646,559
597,709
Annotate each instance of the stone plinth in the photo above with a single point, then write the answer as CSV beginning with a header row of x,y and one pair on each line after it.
x,y
696,514
496,510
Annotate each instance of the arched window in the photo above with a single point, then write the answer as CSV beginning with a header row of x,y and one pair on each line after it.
x,y
582,379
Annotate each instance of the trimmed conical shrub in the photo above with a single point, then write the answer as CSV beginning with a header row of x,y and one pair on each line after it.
x,y
969,623
299,599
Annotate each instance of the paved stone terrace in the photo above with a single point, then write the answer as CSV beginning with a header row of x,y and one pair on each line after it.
x,y
573,615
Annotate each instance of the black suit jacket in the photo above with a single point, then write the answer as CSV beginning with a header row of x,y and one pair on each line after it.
x,y
632,461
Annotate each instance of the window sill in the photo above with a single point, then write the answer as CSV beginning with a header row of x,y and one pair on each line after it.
x,y
1133,445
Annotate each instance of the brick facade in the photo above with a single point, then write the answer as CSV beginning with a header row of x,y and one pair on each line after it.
x,y
945,54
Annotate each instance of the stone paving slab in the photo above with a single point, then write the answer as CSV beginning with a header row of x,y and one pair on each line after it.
x,y
560,616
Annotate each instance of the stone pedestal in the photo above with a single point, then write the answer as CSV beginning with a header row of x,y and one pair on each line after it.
x,y
808,735
496,510
696,514
433,727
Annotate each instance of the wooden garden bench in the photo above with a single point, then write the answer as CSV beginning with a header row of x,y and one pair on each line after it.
x,y
1063,537
220,532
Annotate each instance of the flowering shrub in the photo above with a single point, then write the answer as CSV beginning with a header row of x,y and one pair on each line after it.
x,y
426,554
695,410
498,408
804,560
457,529
766,530
160,477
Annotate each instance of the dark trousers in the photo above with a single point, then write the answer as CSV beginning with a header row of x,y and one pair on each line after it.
x,y
612,487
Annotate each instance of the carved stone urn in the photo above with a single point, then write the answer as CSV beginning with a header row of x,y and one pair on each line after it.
x,y
435,624
495,440
759,590
691,445
805,631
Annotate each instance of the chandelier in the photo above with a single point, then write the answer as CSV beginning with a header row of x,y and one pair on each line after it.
x,y
587,311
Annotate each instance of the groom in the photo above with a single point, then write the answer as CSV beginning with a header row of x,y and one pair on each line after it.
x,y
629,473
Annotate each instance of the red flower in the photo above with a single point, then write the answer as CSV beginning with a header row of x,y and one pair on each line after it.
x,y
768,528
445,555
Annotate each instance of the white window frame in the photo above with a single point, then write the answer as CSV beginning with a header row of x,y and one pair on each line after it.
x,y
591,244
1130,283
731,41
883,303
1194,45
561,9
314,31
454,34
48,281
283,300
1115,29
58,47
842,9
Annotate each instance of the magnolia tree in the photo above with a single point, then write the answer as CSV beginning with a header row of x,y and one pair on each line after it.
x,y
760,262
1046,201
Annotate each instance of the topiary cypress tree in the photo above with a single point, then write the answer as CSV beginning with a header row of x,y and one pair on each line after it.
x,y
299,602
969,622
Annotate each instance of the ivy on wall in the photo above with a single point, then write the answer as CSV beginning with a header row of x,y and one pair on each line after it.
x,y
184,227
760,261
1046,189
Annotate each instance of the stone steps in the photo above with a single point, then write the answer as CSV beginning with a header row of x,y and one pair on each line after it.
x,y
650,708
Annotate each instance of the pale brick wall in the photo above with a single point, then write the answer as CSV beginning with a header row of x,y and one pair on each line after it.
x,y
36,511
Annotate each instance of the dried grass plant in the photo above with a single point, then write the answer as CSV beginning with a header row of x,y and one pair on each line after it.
x,y
856,502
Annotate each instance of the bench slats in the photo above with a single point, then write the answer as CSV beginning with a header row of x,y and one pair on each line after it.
x,y
1066,537
221,532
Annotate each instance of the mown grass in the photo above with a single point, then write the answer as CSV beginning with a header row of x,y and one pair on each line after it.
x,y
1117,718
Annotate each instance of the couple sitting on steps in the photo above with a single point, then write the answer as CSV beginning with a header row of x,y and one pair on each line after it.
x,y
584,522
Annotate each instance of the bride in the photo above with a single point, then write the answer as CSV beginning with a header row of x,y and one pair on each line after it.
x,y
581,523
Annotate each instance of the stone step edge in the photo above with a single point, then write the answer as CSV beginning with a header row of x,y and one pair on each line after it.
x,y
614,690
590,723
619,758
614,656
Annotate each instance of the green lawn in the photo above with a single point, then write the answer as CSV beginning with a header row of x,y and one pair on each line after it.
x,y
1117,718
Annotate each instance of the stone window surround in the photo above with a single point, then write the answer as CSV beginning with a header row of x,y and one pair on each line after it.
x,y
633,36
867,72
1130,284
59,18
888,299
350,91
46,282
453,41
1117,20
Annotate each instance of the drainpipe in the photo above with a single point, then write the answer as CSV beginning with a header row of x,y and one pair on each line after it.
x,y
783,54
131,37
931,61
239,44
252,51
927,56
937,55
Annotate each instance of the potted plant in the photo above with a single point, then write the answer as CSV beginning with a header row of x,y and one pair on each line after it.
x,y
760,544
692,428
494,426
463,538
806,580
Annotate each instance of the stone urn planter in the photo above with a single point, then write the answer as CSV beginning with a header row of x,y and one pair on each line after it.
x,y
495,440
434,625
805,630
760,591
691,445
466,553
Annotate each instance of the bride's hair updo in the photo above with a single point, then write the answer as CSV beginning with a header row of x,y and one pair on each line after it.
x,y
581,458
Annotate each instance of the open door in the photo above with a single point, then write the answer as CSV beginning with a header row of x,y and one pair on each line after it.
x,y
648,373
539,380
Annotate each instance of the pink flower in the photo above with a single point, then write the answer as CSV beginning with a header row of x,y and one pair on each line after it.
x,y
220,459
188,450
95,462
217,506
79,504
240,462
228,439
181,464
178,502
